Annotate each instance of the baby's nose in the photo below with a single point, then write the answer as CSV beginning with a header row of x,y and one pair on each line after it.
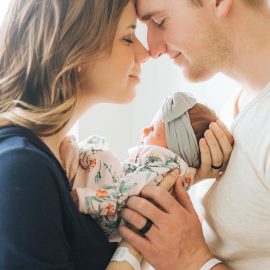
x,y
146,131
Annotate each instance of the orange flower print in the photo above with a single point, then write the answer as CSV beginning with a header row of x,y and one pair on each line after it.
x,y
101,193
92,164
109,210
104,212
188,180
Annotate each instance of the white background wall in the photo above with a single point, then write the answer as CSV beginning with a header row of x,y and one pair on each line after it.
x,y
3,8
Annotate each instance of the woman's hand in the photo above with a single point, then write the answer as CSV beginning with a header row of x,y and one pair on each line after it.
x,y
175,240
215,149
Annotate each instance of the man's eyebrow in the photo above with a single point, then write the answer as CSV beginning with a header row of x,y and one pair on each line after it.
x,y
149,15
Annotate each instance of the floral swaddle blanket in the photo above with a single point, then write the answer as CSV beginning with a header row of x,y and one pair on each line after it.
x,y
103,183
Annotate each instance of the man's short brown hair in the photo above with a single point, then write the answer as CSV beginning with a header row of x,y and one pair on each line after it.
x,y
253,3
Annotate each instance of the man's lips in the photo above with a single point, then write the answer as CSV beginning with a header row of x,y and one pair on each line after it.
x,y
175,56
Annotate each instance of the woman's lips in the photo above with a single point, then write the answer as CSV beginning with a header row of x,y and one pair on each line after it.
x,y
135,77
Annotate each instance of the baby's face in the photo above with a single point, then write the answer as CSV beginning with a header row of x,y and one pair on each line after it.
x,y
155,133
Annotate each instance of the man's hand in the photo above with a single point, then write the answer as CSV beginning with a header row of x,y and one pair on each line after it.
x,y
175,239
215,149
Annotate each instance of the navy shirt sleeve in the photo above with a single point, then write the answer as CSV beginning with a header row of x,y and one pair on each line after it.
x,y
31,224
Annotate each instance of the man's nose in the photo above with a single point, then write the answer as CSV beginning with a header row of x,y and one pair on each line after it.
x,y
156,45
142,55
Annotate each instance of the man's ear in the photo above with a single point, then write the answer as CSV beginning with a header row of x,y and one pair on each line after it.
x,y
222,7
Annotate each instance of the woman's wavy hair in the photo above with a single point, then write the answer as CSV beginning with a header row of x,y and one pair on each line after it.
x,y
42,43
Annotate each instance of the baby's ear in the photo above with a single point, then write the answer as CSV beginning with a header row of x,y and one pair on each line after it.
x,y
79,69
222,7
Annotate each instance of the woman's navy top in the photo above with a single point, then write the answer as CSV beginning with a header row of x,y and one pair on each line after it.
x,y
40,226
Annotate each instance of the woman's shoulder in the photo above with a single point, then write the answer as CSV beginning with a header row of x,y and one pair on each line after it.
x,y
23,155
19,146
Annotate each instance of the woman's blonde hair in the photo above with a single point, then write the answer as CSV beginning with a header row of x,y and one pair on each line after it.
x,y
42,43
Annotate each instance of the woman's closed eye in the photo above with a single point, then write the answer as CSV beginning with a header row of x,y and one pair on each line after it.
x,y
128,39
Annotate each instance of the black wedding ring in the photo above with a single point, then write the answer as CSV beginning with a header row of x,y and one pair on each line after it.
x,y
217,167
146,227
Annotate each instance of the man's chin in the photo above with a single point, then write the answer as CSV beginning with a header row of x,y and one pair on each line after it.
x,y
197,75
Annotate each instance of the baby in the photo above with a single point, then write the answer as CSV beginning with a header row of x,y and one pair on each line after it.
x,y
101,184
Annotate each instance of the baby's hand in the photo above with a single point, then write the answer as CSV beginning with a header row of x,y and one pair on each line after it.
x,y
216,148
69,154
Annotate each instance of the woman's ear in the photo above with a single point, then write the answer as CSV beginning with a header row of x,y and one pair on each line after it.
x,y
222,7
79,69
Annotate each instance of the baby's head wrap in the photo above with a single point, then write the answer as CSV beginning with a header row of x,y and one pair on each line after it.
x,y
180,136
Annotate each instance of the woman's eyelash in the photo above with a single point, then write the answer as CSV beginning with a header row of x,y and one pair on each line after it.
x,y
128,40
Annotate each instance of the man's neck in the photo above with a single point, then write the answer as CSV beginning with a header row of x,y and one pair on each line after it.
x,y
251,64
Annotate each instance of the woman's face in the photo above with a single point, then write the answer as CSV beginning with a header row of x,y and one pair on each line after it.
x,y
113,79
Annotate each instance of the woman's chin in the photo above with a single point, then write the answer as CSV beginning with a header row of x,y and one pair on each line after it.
x,y
127,99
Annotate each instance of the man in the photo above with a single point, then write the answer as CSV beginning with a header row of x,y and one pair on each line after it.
x,y
205,37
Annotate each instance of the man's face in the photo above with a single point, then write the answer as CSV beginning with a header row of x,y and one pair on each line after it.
x,y
191,35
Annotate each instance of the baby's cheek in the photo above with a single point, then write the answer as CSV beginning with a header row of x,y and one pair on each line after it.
x,y
155,140
149,140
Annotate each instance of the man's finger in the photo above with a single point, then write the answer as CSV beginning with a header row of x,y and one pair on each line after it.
x,y
145,208
224,143
206,159
226,131
182,197
138,242
215,151
169,179
137,221
162,198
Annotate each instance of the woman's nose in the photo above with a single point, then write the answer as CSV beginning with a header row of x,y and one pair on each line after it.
x,y
141,53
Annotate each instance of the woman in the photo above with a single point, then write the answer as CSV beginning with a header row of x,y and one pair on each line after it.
x,y
57,59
